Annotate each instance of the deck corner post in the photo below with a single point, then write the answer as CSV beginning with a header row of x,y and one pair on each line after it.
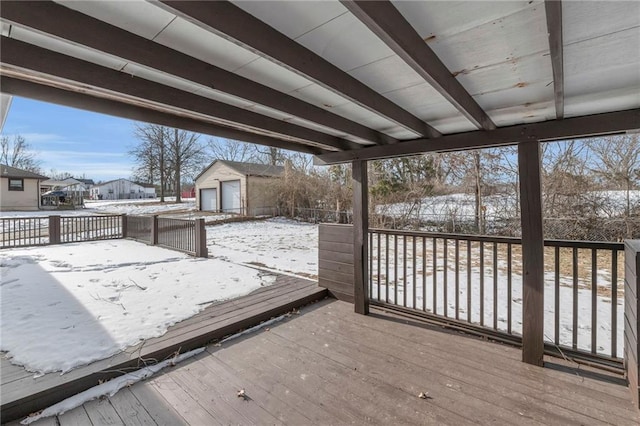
x,y
154,230
123,219
360,233
54,229
201,239
632,318
532,253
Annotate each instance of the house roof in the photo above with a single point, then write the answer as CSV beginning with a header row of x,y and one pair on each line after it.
x,y
347,80
85,181
248,169
13,172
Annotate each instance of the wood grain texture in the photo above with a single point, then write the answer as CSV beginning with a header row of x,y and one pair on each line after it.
x,y
532,253
336,260
631,318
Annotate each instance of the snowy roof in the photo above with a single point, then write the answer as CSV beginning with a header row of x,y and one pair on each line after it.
x,y
12,172
336,77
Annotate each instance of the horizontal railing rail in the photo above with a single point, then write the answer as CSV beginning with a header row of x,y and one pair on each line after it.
x,y
477,280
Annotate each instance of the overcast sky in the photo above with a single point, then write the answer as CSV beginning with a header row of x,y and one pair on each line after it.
x,y
73,140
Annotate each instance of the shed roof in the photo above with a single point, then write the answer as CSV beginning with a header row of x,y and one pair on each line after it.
x,y
248,169
341,79
13,172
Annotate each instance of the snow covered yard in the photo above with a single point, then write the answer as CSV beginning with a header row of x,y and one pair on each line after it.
x,y
279,244
63,306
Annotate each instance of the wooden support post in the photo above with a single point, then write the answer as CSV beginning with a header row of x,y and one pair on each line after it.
x,y
154,230
532,253
54,229
360,235
201,239
632,317
124,225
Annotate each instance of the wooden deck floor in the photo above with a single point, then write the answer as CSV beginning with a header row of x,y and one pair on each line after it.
x,y
331,366
21,394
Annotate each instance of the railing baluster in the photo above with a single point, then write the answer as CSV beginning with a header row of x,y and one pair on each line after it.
x,y
469,280
386,265
395,269
614,303
445,293
370,256
414,271
575,299
594,300
509,286
556,311
404,271
495,286
435,276
424,273
457,269
481,282
379,254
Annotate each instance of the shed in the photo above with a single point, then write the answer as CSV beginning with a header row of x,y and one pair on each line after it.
x,y
236,187
19,189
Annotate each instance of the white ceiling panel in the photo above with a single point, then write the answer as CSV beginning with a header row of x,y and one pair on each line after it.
x,y
136,16
293,18
527,94
440,19
160,77
273,75
596,103
520,114
387,74
192,40
319,96
424,102
345,42
583,20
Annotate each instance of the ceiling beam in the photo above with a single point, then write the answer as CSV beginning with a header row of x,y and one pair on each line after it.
x,y
86,102
23,55
234,24
385,21
68,24
553,10
570,128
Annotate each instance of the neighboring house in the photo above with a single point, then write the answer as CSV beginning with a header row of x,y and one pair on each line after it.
x,y
121,189
188,192
19,189
233,187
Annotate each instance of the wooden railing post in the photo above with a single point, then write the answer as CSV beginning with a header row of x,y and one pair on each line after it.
x,y
632,317
532,253
201,239
54,229
154,230
124,223
360,235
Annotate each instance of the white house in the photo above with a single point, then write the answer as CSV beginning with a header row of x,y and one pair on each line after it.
x,y
121,189
234,187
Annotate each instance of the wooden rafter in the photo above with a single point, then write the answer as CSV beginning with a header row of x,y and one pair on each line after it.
x,y
553,9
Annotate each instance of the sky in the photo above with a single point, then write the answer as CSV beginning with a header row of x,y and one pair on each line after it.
x,y
71,140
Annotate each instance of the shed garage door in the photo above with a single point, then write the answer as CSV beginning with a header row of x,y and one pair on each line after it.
x,y
209,200
231,196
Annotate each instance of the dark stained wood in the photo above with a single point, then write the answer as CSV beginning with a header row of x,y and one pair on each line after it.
x,y
360,235
24,55
133,112
24,394
585,126
553,11
336,260
532,253
329,365
383,19
69,24
631,317
234,24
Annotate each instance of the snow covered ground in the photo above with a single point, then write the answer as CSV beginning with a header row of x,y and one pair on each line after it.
x,y
67,305
280,244
138,207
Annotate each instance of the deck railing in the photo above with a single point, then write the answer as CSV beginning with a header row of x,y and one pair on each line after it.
x,y
477,281
139,228
74,229
184,235
24,231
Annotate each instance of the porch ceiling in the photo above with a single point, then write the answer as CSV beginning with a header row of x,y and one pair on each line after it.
x,y
334,78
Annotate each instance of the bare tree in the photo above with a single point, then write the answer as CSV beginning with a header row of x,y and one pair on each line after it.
x,y
16,152
230,150
186,156
150,154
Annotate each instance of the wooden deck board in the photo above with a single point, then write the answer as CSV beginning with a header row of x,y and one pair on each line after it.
x,y
22,394
329,365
